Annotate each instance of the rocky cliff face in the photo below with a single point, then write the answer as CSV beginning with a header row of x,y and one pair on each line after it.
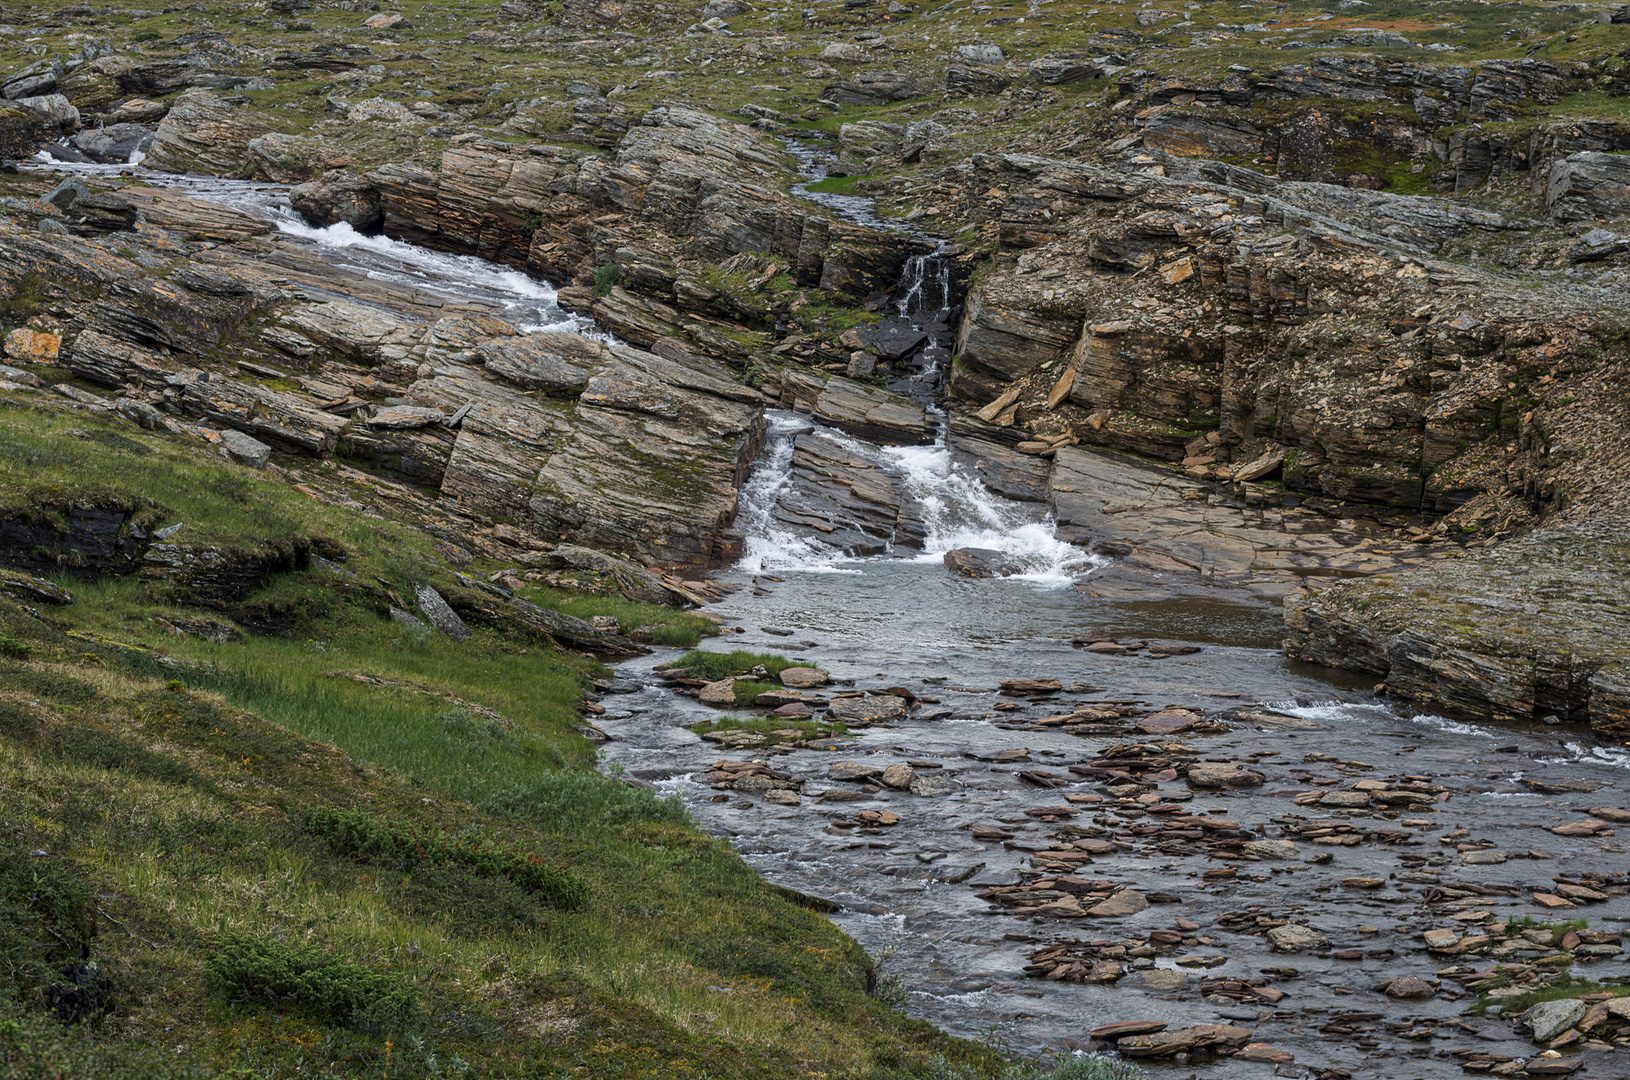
x,y
553,437
1193,318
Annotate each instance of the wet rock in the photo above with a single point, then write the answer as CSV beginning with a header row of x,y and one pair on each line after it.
x,y
1123,902
1263,1052
1210,775
898,777
722,693
1410,988
852,770
440,615
338,196
930,785
1203,1038
802,678
782,796
981,563
869,710
1156,981
1271,849
1296,938
113,143
1549,1019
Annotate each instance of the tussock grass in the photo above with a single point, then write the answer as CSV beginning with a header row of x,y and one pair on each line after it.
x,y
714,666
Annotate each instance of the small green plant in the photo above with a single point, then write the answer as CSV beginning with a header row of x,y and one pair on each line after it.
x,y
605,277
265,972
12,647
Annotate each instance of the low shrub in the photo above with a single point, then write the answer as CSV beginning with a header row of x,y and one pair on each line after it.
x,y
258,971
361,836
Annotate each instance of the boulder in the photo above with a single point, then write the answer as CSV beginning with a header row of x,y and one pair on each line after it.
x,y
238,447
206,133
1295,938
32,346
802,678
1549,1019
882,709
965,79
291,159
1590,185
112,143
338,196
875,88
54,110
898,777
439,614
1207,774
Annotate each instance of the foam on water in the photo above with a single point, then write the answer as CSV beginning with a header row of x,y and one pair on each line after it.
x,y
1337,713
961,512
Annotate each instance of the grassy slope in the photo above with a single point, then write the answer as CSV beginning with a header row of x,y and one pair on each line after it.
x,y
165,777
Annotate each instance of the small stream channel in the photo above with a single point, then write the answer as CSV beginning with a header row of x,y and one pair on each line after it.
x,y
1370,880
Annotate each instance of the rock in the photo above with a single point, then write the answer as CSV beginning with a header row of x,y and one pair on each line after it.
x,y
966,79
1263,1052
868,710
408,620
846,52
722,692
111,143
1202,1038
439,614
53,109
802,678
978,53
852,770
1295,938
241,448
874,88
1157,981
1222,775
20,377
898,777
138,110
1410,988
783,796
1271,849
1549,1019
1589,185
1122,902
930,785
404,417
1052,71
33,346
383,109
981,563
874,415
205,133
1124,1028
338,196
1598,244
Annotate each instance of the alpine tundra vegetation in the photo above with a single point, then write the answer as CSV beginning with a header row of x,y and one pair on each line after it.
x,y
1166,464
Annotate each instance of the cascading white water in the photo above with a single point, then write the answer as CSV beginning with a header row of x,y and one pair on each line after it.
x,y
961,512
523,301
958,510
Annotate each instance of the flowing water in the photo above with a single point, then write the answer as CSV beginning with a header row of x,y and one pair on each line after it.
x,y
902,620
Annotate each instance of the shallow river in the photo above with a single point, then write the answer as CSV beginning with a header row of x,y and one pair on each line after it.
x,y
1470,850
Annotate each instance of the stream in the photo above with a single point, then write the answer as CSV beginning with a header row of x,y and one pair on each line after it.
x,y
1439,824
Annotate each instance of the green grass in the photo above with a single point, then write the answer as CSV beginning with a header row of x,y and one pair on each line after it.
x,y
713,666
774,729
836,185
667,626
341,847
